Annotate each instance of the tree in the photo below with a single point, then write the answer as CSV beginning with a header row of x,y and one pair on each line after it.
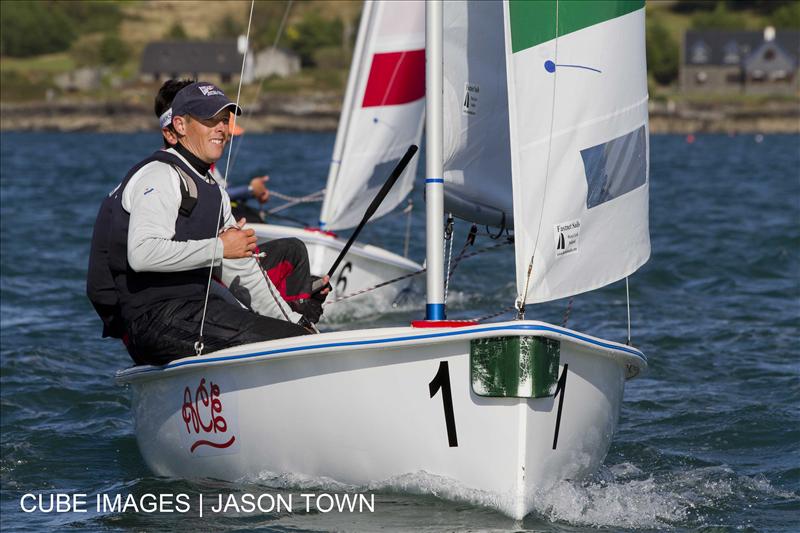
x,y
34,28
314,32
113,51
759,6
227,28
787,16
662,53
720,18
89,16
176,33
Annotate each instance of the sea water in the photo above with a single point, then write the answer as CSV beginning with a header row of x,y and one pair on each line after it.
x,y
708,438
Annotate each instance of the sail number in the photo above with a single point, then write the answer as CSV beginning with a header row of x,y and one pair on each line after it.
x,y
441,381
561,389
341,280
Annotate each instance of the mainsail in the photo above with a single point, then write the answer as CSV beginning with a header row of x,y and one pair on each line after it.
x,y
477,162
382,114
577,79
547,132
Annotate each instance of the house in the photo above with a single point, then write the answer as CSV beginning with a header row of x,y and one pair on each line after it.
x,y
276,62
214,61
751,62
82,79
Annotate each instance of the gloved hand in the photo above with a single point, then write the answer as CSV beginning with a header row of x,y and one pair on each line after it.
x,y
320,287
312,309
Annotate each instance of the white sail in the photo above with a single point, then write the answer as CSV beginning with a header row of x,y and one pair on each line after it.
x,y
382,113
477,162
579,143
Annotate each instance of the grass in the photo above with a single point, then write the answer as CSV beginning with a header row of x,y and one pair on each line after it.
x,y
308,80
47,64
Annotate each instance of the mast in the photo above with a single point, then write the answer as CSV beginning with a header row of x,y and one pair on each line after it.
x,y
434,174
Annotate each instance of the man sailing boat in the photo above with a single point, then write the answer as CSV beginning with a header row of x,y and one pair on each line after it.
x,y
158,233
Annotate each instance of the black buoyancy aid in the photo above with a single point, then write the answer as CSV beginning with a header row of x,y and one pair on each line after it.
x,y
119,293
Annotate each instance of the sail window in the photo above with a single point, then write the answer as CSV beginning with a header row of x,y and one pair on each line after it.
x,y
615,167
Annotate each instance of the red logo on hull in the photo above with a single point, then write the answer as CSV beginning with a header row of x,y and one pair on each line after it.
x,y
202,416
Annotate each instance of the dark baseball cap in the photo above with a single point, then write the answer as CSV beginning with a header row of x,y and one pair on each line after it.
x,y
202,100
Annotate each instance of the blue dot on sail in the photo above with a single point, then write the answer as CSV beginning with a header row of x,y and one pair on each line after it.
x,y
550,67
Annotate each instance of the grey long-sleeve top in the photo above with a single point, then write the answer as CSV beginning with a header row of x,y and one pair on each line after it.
x,y
152,228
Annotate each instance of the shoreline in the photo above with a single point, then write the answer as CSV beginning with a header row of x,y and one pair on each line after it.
x,y
320,113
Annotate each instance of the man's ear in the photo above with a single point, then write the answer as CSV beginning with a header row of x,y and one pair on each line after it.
x,y
169,136
179,124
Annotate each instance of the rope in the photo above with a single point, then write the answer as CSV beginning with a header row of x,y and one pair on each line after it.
x,y
495,315
448,237
473,231
378,286
412,274
567,312
314,196
407,210
198,346
269,286
293,201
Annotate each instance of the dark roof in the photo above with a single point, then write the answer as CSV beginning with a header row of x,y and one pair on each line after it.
x,y
769,57
721,43
220,57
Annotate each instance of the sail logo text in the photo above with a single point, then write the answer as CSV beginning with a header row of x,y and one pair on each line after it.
x,y
202,416
469,104
566,237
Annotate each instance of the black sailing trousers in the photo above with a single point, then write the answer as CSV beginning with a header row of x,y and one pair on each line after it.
x,y
170,329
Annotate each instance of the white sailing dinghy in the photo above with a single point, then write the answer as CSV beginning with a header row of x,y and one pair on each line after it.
x,y
502,410
382,115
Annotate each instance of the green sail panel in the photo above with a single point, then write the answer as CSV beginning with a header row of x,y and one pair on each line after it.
x,y
534,21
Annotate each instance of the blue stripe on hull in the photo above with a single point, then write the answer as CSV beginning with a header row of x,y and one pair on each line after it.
x,y
442,334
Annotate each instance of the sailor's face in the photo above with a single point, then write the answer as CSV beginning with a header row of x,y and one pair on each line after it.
x,y
205,138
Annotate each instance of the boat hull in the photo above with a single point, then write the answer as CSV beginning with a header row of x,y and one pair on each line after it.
x,y
364,266
357,407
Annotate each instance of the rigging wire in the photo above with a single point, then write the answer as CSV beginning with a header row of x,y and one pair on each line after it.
x,y
628,300
418,272
198,345
524,295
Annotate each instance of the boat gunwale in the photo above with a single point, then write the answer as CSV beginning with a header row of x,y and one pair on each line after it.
x,y
367,251
392,338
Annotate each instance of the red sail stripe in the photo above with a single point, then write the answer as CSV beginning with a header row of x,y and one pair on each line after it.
x,y
212,444
395,78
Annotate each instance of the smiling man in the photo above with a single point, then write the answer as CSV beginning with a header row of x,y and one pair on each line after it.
x,y
157,235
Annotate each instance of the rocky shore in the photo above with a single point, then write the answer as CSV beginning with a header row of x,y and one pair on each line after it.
x,y
320,112
316,112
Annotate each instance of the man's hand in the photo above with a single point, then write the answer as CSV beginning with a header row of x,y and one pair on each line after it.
x,y
238,242
259,189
